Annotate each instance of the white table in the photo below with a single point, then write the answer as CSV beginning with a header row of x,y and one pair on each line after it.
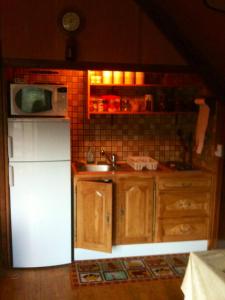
x,y
205,276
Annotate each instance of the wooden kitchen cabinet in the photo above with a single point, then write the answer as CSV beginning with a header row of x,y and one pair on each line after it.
x,y
183,208
134,210
94,215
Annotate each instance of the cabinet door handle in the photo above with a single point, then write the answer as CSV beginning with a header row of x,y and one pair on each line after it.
x,y
122,212
10,146
107,218
11,176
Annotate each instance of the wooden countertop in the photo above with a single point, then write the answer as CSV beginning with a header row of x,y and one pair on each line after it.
x,y
126,170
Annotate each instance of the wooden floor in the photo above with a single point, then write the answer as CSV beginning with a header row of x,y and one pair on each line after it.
x,y
54,283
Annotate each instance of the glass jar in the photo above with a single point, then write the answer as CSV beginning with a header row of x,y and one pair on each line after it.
x,y
125,104
100,105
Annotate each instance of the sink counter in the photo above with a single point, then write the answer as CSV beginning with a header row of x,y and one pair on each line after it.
x,y
125,169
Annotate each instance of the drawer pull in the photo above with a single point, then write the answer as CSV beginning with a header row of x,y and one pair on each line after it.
x,y
178,185
184,204
185,228
186,184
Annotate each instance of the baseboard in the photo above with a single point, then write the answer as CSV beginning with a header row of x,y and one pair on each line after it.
x,y
142,250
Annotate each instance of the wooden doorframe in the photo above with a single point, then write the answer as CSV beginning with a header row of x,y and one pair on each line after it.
x,y
5,236
220,176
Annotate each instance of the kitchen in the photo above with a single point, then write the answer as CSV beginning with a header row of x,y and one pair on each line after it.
x,y
155,134
84,133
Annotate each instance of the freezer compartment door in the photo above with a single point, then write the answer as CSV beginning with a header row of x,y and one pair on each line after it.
x,y
38,139
40,196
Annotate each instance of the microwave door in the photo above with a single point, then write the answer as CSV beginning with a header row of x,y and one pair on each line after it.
x,y
38,100
33,100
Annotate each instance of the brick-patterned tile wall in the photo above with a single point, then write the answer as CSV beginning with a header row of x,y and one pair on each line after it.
x,y
154,135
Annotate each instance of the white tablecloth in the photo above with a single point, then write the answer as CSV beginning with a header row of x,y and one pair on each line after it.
x,y
205,276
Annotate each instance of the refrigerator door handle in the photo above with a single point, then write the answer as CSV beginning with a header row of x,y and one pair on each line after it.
x,y
11,176
10,146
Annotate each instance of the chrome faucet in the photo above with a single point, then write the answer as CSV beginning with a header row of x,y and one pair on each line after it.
x,y
110,156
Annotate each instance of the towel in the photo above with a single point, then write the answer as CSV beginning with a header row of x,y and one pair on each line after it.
x,y
202,123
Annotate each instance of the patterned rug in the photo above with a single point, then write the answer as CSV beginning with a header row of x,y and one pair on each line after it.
x,y
131,269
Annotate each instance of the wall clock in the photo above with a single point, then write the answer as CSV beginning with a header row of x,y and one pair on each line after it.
x,y
70,21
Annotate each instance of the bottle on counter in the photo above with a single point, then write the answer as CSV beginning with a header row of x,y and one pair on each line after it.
x,y
90,156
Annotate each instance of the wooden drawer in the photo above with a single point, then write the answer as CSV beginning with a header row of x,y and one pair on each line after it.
x,y
183,204
182,229
165,183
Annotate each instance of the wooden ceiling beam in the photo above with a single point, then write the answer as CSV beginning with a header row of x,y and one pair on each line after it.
x,y
211,76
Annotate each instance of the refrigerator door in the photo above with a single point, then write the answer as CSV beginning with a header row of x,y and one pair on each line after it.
x,y
38,139
40,195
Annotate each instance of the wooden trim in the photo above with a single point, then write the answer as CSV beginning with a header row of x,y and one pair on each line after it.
x,y
58,64
219,178
5,249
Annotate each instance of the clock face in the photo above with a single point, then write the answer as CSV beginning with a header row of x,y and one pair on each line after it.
x,y
70,21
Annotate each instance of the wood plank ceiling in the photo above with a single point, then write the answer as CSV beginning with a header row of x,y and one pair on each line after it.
x,y
198,34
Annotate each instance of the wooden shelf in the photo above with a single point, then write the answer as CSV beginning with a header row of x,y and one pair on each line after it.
x,y
139,85
137,91
123,85
142,113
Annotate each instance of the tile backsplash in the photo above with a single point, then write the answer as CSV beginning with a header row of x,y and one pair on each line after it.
x,y
154,135
135,135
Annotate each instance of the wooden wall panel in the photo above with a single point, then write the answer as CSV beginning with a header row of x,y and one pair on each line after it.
x,y
113,32
219,218
155,47
201,26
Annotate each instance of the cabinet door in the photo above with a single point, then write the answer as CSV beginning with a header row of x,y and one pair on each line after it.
x,y
134,210
94,215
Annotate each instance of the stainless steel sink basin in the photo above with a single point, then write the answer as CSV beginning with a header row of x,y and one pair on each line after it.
x,y
95,168
100,167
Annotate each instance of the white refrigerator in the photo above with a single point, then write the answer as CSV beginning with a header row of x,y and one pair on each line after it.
x,y
40,191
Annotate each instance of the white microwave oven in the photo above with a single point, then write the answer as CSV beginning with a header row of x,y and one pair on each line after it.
x,y
38,100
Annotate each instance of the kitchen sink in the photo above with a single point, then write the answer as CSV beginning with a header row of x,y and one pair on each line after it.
x,y
100,167
95,168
